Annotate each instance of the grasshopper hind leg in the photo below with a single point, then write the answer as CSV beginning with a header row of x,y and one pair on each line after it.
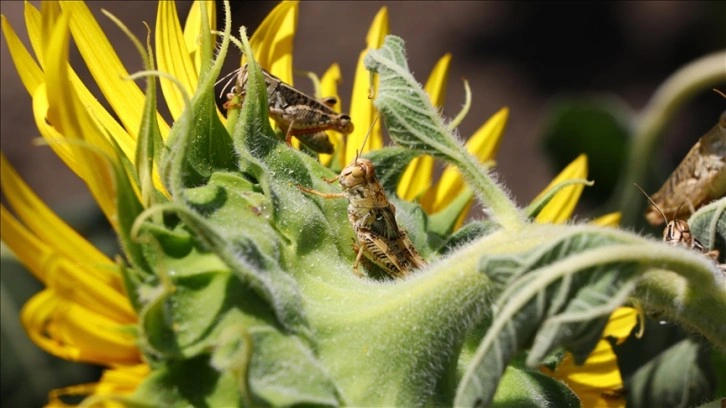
x,y
358,257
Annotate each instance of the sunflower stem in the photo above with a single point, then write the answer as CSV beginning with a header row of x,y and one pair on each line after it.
x,y
501,207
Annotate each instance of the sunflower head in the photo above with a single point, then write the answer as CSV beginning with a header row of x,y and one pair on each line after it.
x,y
237,287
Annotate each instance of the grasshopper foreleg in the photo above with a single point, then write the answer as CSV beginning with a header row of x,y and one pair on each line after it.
x,y
321,194
288,134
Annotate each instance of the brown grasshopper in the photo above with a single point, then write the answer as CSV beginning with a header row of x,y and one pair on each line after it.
x,y
677,232
296,113
698,179
373,218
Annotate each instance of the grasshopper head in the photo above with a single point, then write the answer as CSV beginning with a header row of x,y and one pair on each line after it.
x,y
677,232
357,173
344,125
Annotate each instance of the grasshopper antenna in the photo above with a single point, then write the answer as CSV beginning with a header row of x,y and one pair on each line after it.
x,y
229,77
654,204
365,139
675,214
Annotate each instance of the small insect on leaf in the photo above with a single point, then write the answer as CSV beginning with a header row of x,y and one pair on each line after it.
x,y
373,218
296,113
698,179
677,232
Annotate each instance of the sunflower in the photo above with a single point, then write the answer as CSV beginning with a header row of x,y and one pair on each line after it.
x,y
86,312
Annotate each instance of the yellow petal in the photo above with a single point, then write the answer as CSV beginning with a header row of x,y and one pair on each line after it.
x,y
125,140
118,381
29,71
122,380
68,116
597,381
272,41
280,46
75,333
43,223
50,134
124,96
192,26
484,145
608,220
329,87
462,216
173,57
95,286
416,179
362,111
35,31
50,14
562,205
621,323
436,84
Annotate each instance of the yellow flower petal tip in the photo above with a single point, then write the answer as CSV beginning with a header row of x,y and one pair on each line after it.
x,y
608,220
436,83
485,141
361,107
562,205
621,323
379,29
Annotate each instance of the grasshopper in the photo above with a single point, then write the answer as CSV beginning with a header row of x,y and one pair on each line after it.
x,y
373,218
677,232
698,179
296,113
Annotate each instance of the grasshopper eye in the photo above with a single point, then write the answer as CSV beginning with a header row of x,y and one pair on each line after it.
x,y
357,172
330,101
346,126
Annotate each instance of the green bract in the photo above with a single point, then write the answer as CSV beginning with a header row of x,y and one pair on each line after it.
x,y
246,294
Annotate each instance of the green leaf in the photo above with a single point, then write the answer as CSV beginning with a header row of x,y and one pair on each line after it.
x,y
390,163
528,388
679,377
198,142
128,209
718,362
550,297
249,245
284,372
708,224
536,207
469,232
413,122
417,223
171,385
252,133
444,221
410,118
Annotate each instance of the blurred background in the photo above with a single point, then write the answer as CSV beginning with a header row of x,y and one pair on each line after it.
x,y
542,61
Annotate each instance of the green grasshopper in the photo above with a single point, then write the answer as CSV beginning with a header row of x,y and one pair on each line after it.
x,y
373,218
698,179
296,113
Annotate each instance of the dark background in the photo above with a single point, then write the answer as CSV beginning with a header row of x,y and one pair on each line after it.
x,y
514,54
